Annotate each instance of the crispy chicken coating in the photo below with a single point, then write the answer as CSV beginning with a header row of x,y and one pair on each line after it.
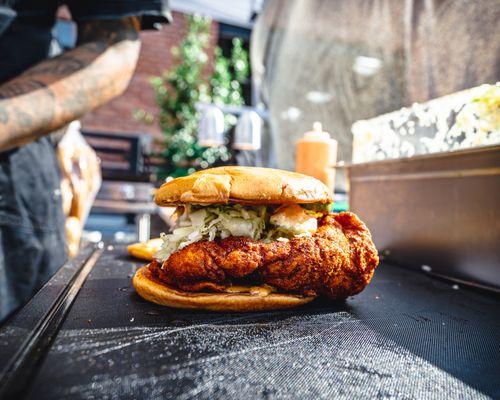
x,y
338,261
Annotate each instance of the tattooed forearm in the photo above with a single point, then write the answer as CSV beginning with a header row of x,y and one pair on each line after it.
x,y
59,90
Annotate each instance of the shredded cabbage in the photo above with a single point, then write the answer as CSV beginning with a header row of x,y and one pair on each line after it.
x,y
207,223
221,221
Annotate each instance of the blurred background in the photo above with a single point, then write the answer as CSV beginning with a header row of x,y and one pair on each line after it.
x,y
277,67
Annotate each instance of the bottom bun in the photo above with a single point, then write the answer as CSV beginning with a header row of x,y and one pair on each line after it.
x,y
243,299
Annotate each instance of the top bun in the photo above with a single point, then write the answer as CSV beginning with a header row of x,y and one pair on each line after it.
x,y
244,185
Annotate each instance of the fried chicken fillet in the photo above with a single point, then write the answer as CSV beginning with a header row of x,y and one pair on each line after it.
x,y
338,261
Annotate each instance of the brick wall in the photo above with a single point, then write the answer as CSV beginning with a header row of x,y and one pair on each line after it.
x,y
154,59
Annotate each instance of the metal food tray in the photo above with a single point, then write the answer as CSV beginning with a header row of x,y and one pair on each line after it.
x,y
437,212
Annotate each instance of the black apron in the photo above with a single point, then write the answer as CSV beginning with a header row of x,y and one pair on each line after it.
x,y
32,238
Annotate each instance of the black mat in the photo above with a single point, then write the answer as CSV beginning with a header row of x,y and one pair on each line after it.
x,y
407,336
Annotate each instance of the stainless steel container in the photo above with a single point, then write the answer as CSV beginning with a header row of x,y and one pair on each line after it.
x,y
438,212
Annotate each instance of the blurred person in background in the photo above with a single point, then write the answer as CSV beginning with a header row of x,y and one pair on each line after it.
x,y
39,95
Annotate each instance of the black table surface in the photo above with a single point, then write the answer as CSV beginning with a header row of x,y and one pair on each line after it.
x,y
407,336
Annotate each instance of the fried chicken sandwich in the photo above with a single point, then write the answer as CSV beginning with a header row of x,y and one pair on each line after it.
x,y
253,239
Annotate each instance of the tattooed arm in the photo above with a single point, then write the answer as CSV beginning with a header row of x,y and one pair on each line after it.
x,y
59,90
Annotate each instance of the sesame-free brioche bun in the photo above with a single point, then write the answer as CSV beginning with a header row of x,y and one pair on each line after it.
x,y
241,299
244,185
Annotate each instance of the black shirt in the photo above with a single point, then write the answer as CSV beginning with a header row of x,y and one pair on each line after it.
x,y
32,239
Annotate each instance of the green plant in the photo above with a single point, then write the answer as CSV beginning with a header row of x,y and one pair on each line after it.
x,y
179,89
